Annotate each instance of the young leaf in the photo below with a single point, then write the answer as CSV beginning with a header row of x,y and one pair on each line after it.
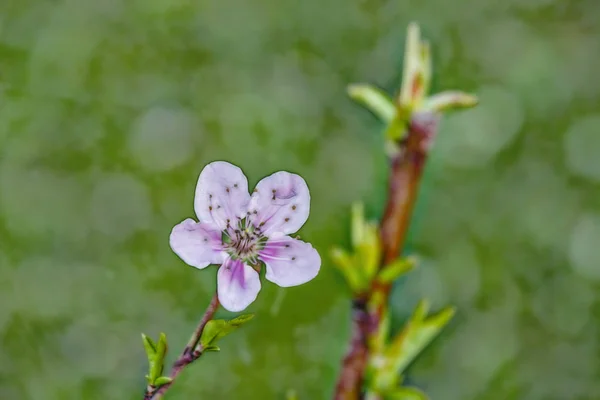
x,y
425,69
212,348
449,100
399,267
157,367
416,335
240,320
149,346
378,102
345,263
358,223
405,393
369,251
217,328
211,331
162,380
412,67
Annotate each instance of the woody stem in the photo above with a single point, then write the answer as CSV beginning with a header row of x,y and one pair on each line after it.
x,y
406,170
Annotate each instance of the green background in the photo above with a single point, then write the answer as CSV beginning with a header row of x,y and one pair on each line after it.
x,y
110,109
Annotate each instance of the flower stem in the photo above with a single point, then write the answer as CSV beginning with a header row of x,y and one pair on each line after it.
x,y
192,351
406,170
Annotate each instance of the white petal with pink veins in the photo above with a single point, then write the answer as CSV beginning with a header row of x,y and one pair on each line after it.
x,y
290,262
197,244
280,203
237,285
221,194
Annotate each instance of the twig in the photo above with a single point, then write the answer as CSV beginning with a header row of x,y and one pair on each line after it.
x,y
192,351
405,176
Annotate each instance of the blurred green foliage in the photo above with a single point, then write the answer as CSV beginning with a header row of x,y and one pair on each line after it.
x,y
110,109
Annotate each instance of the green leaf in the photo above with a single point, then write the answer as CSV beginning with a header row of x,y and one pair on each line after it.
x,y
240,320
416,335
358,223
218,328
450,100
405,393
156,353
412,66
369,251
212,348
399,267
162,380
149,346
347,266
157,367
374,99
211,332
425,68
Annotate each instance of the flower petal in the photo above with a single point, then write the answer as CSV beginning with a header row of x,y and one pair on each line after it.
x,y
280,203
221,194
290,262
238,285
198,244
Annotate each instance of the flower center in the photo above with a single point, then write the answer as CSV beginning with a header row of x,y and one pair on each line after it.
x,y
244,242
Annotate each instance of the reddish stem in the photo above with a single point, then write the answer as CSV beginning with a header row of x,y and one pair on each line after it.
x,y
190,353
405,176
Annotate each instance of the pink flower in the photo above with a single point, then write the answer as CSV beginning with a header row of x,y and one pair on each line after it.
x,y
237,231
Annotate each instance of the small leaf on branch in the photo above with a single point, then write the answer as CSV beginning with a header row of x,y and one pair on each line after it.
x,y
212,348
159,360
357,217
149,346
450,100
411,91
378,102
369,252
218,328
162,380
417,333
345,263
360,267
397,268
156,353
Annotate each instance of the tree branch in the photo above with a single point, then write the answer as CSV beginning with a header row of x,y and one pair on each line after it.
x,y
192,351
406,169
